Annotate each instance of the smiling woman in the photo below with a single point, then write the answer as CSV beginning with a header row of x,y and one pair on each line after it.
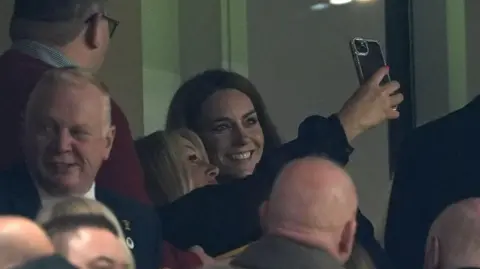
x,y
227,112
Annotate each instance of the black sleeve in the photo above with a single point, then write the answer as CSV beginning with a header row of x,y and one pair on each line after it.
x,y
224,217
48,262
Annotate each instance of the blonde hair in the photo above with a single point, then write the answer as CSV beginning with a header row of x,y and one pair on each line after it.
x,y
359,259
160,155
79,205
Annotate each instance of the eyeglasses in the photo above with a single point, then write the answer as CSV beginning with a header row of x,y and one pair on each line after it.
x,y
112,23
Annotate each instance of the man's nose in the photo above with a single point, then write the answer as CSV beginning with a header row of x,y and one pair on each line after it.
x,y
64,141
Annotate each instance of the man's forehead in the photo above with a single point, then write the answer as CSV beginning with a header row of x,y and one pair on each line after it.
x,y
64,102
80,90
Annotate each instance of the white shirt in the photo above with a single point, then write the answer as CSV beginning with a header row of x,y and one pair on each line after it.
x,y
48,200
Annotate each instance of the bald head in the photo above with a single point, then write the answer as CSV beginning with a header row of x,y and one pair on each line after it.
x,y
313,200
20,241
454,237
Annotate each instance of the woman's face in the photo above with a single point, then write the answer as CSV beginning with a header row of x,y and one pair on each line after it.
x,y
232,133
199,169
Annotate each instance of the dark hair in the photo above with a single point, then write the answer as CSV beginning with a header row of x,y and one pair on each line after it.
x,y
55,22
185,108
71,223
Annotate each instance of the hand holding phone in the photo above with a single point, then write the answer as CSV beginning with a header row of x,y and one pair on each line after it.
x,y
368,58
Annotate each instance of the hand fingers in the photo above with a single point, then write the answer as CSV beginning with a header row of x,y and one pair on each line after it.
x,y
392,114
391,87
396,99
377,78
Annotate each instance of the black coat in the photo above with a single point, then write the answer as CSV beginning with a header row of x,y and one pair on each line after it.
x,y
232,218
19,196
438,166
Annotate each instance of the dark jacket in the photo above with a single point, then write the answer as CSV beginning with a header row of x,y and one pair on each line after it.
x,y
48,262
19,196
275,252
19,73
225,217
438,166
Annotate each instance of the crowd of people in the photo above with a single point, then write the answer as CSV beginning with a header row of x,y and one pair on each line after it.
x,y
217,188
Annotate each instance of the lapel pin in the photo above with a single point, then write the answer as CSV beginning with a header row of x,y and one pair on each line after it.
x,y
126,225
130,243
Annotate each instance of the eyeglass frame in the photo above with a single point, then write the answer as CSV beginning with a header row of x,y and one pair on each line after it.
x,y
112,23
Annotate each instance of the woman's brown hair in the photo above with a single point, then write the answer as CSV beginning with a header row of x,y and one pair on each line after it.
x,y
185,108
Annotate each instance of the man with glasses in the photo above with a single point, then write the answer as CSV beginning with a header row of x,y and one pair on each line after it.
x,y
50,34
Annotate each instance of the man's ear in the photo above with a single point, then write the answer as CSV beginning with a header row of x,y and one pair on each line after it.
x,y
93,31
109,139
347,239
432,257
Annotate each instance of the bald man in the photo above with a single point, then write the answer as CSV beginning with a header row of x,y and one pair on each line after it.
x,y
454,238
21,240
309,220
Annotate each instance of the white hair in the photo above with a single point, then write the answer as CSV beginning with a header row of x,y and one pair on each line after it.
x,y
59,78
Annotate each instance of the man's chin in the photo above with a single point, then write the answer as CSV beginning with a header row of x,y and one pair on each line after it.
x,y
65,182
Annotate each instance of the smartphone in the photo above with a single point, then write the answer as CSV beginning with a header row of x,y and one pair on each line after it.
x,y
368,58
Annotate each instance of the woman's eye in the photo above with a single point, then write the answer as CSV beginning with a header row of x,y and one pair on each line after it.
x,y
252,121
193,157
220,127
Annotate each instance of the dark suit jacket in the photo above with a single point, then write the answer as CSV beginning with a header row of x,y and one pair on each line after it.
x,y
18,196
274,252
438,166
49,262
18,75
224,217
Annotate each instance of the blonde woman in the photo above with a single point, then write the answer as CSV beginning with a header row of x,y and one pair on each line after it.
x,y
77,205
174,164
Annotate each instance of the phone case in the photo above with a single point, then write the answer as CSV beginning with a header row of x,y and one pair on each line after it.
x,y
368,58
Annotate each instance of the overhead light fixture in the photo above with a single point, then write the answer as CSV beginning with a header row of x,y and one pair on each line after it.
x,y
340,2
319,6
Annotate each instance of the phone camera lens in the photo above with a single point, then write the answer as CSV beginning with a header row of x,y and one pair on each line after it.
x,y
361,47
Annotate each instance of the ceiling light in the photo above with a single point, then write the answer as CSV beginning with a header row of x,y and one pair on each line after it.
x,y
319,6
340,2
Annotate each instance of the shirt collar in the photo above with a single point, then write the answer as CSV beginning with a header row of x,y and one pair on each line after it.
x,y
48,200
42,52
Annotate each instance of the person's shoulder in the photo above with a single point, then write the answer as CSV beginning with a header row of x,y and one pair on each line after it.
x,y
221,266
13,174
19,73
121,204
14,60
48,262
449,124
